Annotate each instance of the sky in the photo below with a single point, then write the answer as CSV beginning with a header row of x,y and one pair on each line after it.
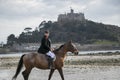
x,y
15,15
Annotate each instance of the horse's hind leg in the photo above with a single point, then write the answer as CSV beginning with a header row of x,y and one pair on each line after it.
x,y
26,73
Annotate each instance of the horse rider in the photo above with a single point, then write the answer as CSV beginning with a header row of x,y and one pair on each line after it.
x,y
46,49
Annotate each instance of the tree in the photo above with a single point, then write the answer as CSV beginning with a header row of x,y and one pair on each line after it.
x,y
28,29
42,24
11,39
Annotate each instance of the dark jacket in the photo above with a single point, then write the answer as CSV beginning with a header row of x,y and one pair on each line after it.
x,y
45,46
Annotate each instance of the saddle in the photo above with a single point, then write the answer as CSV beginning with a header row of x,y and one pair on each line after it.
x,y
48,57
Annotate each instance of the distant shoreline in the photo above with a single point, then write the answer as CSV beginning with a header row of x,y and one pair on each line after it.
x,y
81,53
32,47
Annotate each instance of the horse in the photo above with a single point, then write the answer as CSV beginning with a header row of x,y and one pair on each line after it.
x,y
40,61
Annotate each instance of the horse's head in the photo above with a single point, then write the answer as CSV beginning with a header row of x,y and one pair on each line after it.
x,y
71,47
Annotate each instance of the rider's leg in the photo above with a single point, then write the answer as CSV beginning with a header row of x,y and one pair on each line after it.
x,y
52,59
52,64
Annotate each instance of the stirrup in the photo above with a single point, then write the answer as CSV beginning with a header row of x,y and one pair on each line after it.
x,y
51,67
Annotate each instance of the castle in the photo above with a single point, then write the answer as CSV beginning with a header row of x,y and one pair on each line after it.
x,y
71,16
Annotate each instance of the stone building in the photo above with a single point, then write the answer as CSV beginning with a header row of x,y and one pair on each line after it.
x,y
71,16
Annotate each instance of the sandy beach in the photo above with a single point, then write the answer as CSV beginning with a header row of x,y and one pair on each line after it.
x,y
76,67
70,73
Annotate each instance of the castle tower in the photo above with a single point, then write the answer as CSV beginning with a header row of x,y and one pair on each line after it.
x,y
72,11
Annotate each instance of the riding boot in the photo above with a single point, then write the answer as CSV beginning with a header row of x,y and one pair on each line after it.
x,y
51,64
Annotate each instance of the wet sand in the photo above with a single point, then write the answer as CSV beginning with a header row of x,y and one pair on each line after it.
x,y
96,68
70,72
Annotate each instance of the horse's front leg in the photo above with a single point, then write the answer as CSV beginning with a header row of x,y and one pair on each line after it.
x,y
51,73
61,73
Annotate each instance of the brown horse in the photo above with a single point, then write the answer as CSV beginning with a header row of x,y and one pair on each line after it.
x,y
40,61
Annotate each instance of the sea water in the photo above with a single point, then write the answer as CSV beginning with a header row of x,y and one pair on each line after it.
x,y
17,54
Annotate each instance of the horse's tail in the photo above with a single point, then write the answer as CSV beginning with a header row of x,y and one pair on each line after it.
x,y
20,65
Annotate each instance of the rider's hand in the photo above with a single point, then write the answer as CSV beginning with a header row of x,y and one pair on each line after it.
x,y
52,49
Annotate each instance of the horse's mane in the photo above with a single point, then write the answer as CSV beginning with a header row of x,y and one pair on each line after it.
x,y
59,48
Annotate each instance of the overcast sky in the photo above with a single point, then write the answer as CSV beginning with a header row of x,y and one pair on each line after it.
x,y
15,15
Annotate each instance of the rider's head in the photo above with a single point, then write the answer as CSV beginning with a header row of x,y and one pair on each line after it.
x,y
46,33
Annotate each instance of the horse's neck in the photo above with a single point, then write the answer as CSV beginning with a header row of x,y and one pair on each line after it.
x,y
62,52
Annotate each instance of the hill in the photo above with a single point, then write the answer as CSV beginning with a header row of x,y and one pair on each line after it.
x,y
80,32
88,32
